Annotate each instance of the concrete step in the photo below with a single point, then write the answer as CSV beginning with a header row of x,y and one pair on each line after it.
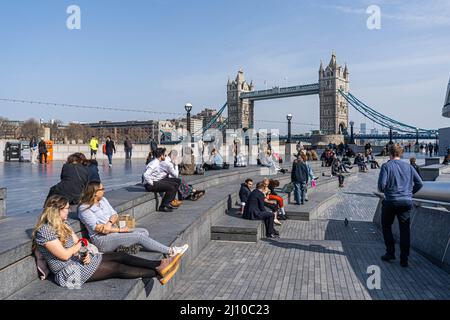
x,y
189,224
232,227
311,209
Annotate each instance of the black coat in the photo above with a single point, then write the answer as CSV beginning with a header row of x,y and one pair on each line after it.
x,y
110,147
74,178
299,172
254,207
42,147
244,193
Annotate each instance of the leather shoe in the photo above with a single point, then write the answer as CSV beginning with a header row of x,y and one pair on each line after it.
x,y
387,257
165,209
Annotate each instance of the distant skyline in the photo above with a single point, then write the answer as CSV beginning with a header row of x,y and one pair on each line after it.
x,y
157,55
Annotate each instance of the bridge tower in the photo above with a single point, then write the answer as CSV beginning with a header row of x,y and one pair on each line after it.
x,y
333,106
240,111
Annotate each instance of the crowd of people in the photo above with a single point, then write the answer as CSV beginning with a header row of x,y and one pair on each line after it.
x,y
59,250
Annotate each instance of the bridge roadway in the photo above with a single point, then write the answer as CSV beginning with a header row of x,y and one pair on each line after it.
x,y
317,260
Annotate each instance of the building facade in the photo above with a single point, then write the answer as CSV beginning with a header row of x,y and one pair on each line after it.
x,y
137,131
333,106
240,111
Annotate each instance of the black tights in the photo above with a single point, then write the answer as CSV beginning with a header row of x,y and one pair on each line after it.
x,y
124,266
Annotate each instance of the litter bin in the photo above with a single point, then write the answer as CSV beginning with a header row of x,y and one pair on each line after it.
x,y
25,151
12,151
49,145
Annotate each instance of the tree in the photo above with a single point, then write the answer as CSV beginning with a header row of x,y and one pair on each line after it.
x,y
31,128
77,132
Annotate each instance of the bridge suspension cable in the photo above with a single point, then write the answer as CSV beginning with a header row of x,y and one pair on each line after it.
x,y
52,104
380,118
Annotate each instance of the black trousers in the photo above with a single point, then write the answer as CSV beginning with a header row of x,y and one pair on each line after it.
x,y
167,185
43,155
268,218
402,211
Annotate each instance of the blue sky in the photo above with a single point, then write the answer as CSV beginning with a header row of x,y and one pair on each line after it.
x,y
158,55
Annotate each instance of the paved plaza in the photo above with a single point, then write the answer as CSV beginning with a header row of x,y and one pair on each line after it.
x,y
28,184
320,259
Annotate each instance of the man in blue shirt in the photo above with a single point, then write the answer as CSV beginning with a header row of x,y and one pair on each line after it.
x,y
398,181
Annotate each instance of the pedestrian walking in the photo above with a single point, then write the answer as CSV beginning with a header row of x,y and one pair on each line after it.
x,y
42,147
93,145
398,181
128,145
110,149
33,150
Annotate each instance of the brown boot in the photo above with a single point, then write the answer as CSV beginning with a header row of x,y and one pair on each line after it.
x,y
167,264
176,203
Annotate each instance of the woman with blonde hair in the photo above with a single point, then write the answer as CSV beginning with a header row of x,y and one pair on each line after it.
x,y
60,247
100,219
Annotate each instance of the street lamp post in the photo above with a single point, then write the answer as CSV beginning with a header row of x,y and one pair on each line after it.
x,y
188,108
352,136
390,136
289,118
417,136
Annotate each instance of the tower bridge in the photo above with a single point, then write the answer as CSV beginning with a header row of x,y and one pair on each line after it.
x,y
241,98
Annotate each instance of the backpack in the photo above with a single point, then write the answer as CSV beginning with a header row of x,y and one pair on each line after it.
x,y
199,169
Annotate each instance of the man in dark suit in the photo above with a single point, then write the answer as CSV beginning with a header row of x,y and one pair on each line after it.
x,y
255,210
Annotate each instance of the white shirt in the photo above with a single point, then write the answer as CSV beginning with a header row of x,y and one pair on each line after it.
x,y
153,172
95,215
169,168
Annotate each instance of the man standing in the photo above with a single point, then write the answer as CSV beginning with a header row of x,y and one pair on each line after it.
x,y
299,177
128,148
93,144
34,150
110,148
430,149
398,181
42,151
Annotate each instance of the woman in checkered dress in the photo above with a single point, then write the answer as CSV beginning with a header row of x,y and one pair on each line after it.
x,y
60,247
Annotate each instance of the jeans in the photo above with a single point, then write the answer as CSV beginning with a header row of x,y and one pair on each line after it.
x,y
299,192
402,211
110,242
110,158
128,153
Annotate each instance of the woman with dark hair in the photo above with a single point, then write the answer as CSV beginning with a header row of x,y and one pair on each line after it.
x,y
100,219
74,178
60,247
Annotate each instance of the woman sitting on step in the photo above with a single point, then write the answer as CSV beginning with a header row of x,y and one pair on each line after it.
x,y
55,243
100,219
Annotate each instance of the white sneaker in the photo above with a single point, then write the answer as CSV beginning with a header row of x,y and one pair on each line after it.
x,y
179,250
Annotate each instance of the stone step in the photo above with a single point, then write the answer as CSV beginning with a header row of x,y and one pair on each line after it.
x,y
311,209
232,227
189,224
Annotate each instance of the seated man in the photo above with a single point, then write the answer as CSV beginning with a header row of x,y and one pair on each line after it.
x,y
255,210
216,161
156,180
244,193
359,161
185,190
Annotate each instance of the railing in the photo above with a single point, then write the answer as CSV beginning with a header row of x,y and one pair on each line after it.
x,y
2,202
